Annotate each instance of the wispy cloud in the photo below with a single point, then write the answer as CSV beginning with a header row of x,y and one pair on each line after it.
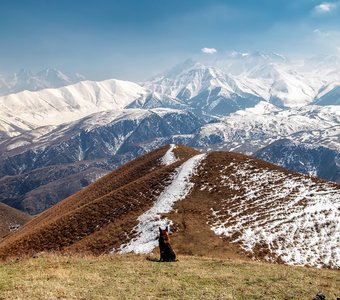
x,y
325,7
209,50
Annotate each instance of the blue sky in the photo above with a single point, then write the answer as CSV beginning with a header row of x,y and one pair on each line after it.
x,y
135,39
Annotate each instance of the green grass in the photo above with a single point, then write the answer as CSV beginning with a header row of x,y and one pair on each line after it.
x,y
134,277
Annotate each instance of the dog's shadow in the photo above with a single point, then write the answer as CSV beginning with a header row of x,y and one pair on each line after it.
x,y
155,259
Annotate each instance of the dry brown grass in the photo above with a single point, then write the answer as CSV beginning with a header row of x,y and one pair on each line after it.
x,y
99,217
133,277
10,216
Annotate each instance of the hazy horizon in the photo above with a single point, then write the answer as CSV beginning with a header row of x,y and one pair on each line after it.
x,y
135,40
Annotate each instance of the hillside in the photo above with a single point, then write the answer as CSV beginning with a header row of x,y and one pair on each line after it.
x,y
218,204
306,158
95,213
249,130
11,219
134,277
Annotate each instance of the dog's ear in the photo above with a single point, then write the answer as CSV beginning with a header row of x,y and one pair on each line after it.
x,y
160,230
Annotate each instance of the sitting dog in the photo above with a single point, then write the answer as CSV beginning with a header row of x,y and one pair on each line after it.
x,y
165,249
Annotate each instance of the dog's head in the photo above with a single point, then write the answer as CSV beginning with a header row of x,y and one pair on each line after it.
x,y
164,234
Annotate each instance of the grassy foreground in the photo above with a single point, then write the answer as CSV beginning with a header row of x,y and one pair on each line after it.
x,y
133,277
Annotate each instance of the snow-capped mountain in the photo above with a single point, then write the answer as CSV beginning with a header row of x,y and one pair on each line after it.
x,y
307,158
209,90
90,146
27,80
202,88
253,128
29,110
243,102
238,63
244,78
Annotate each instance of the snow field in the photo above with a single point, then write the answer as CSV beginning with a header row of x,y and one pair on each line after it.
x,y
296,218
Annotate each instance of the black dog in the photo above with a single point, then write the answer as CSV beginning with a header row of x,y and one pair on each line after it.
x,y
165,249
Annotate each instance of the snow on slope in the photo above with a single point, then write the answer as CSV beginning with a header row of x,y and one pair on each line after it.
x,y
189,79
269,77
266,123
169,157
292,219
46,136
281,85
11,125
147,229
69,103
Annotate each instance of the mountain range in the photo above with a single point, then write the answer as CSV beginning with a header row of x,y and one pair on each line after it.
x,y
55,141
28,80
217,203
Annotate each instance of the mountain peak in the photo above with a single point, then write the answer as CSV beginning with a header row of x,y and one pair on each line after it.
x,y
182,67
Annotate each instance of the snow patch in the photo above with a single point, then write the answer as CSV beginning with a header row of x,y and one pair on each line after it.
x,y
169,157
147,229
295,217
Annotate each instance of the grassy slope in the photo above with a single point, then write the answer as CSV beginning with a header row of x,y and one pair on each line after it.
x,y
134,277
10,216
97,218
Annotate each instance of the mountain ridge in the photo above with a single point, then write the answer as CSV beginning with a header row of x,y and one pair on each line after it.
x,y
27,80
205,89
65,104
220,200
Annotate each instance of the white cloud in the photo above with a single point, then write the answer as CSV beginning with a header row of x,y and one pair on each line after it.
x,y
325,7
209,50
